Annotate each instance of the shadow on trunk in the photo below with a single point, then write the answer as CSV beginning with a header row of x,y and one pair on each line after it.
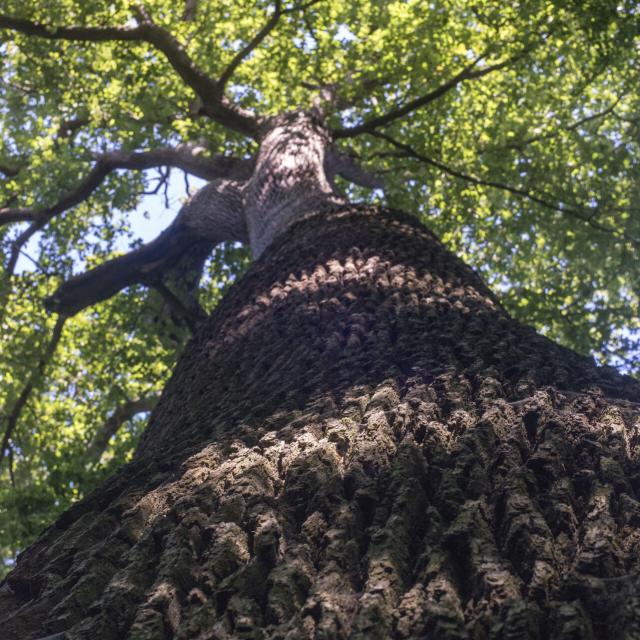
x,y
360,443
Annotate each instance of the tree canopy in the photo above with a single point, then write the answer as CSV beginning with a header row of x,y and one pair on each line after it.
x,y
511,129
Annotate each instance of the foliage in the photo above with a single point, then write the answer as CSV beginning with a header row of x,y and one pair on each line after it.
x,y
529,170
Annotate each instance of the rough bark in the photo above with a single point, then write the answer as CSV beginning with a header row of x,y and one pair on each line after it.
x,y
359,443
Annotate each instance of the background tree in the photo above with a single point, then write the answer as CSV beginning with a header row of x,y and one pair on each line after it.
x,y
512,130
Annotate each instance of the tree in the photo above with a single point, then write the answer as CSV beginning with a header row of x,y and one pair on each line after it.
x,y
359,441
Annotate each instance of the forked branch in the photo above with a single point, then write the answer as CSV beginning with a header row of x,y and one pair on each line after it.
x,y
144,265
189,159
215,104
213,215
186,158
470,72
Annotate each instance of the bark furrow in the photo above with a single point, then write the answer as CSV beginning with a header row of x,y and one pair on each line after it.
x,y
360,443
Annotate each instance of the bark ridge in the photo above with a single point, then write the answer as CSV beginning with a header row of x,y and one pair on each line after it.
x,y
360,443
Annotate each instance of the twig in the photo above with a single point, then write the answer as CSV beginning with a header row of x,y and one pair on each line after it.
x,y
34,262
583,215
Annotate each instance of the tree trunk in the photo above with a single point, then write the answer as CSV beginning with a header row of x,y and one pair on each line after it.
x,y
359,443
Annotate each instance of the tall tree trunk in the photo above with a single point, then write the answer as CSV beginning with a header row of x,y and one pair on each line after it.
x,y
359,443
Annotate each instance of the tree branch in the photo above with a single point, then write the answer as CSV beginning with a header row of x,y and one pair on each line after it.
x,y
112,424
18,214
259,37
187,158
14,415
468,73
331,92
349,168
581,214
560,130
251,45
190,10
215,105
82,34
192,315
16,248
114,275
214,214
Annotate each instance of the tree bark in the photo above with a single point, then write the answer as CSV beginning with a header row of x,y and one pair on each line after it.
x,y
359,443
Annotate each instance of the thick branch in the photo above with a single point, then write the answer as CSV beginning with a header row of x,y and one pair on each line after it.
x,y
349,168
188,159
215,105
468,73
82,34
203,85
112,424
141,265
580,214
213,215
14,415
18,214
